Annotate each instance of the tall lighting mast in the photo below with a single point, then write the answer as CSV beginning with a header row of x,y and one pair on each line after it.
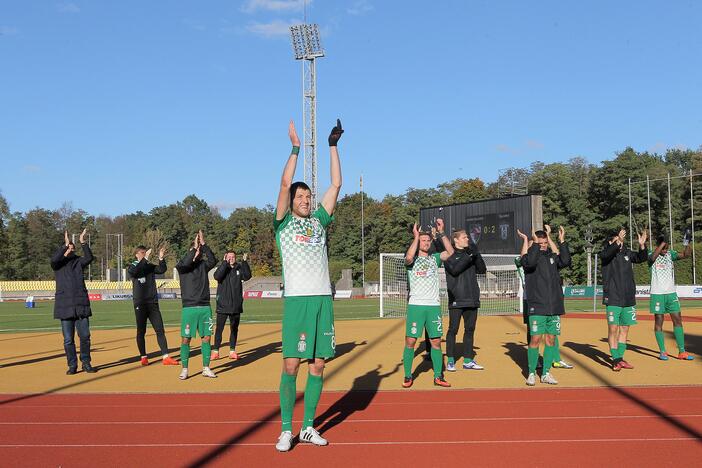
x,y
307,47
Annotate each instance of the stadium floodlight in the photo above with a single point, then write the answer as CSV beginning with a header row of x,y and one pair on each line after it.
x,y
305,41
308,47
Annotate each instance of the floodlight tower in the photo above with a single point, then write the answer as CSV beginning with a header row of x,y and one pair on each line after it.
x,y
307,47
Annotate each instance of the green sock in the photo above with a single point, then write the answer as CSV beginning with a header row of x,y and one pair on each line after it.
x,y
556,350
287,399
451,360
407,357
679,338
660,340
615,353
437,361
533,358
621,348
548,358
184,354
206,351
312,392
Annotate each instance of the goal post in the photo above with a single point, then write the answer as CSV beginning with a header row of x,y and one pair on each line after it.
x,y
500,288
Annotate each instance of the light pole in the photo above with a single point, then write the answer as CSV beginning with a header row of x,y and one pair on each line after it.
x,y
363,244
307,47
588,249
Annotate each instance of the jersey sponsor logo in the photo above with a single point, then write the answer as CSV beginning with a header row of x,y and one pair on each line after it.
x,y
551,260
142,280
308,240
626,257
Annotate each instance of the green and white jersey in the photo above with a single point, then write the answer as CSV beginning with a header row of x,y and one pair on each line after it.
x,y
520,269
302,243
662,273
423,277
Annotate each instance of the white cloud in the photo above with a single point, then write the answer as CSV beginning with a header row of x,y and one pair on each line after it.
x,y
275,28
68,7
273,5
8,31
533,144
228,206
360,7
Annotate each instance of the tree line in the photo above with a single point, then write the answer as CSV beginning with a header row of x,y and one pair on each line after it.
x,y
575,194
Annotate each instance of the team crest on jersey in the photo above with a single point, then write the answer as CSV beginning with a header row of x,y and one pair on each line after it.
x,y
302,344
413,330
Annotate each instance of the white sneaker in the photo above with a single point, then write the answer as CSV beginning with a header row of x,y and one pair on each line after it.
x,y
451,367
183,374
311,436
284,441
207,372
549,379
562,365
531,380
472,365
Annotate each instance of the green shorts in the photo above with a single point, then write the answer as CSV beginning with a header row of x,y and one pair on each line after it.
x,y
196,320
621,315
664,303
545,324
421,316
308,327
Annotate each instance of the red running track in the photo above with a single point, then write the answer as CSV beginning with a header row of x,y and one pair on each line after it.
x,y
651,426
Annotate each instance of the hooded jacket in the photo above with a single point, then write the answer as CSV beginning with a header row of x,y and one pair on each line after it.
x,y
230,298
194,282
618,274
71,294
462,269
143,276
543,280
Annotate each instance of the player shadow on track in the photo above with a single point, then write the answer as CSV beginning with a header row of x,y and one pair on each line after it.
x,y
252,355
693,343
358,398
33,361
131,359
590,351
518,353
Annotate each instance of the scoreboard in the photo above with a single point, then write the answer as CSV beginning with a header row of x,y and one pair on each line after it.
x,y
491,224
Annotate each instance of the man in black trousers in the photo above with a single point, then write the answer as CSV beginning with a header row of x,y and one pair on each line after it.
x,y
230,276
145,300
72,305
464,298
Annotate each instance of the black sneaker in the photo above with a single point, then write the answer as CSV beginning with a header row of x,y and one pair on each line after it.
x,y
89,369
71,371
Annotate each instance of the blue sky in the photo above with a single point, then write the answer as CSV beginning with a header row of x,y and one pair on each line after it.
x,y
123,106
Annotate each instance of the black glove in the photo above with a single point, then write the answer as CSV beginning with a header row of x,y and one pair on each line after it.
x,y
335,133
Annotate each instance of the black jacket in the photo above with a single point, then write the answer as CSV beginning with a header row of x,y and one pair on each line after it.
x,y
462,269
144,280
71,294
618,274
543,280
230,298
194,283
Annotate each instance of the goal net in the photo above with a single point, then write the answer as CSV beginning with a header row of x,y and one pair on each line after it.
x,y
500,287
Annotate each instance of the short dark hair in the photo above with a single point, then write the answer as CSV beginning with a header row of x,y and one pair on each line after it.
x,y
660,239
424,233
139,248
540,234
294,188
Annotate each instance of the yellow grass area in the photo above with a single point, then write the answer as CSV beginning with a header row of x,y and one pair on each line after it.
x,y
369,357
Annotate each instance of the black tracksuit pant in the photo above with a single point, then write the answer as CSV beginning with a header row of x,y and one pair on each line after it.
x,y
233,330
152,313
470,318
